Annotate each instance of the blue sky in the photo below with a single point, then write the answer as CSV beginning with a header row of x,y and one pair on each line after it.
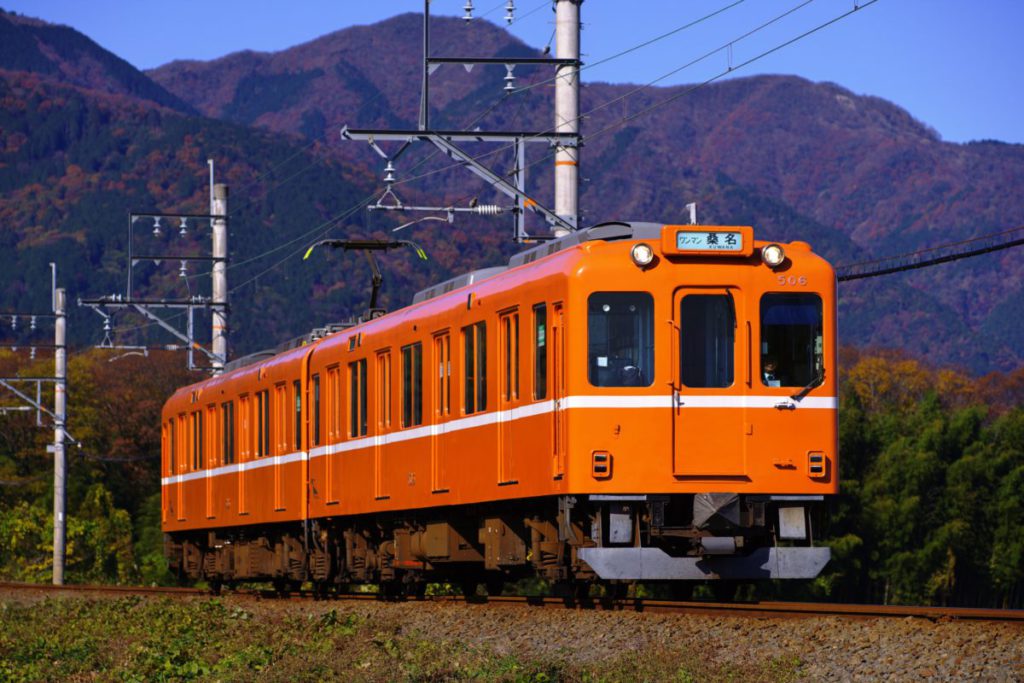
x,y
956,65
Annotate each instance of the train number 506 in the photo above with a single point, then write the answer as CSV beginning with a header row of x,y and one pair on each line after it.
x,y
792,280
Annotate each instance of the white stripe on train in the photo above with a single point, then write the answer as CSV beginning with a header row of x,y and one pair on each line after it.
x,y
500,416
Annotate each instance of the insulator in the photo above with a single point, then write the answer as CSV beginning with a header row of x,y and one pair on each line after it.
x,y
14,322
183,271
156,227
32,323
32,353
468,9
488,210
510,80
184,227
389,173
510,11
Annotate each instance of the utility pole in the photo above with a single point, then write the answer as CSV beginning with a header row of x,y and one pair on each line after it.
x,y
60,401
219,210
164,226
563,135
567,112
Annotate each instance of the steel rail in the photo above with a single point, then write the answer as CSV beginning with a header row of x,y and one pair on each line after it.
x,y
742,609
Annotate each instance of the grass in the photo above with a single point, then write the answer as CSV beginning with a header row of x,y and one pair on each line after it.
x,y
143,639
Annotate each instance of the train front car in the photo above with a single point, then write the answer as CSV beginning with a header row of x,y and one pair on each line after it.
x,y
700,406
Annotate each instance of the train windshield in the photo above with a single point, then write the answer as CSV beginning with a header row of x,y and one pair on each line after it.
x,y
791,340
620,339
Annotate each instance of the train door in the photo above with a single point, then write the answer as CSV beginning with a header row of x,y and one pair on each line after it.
x,y
558,390
441,362
382,392
280,432
245,450
508,393
708,397
182,450
332,404
211,457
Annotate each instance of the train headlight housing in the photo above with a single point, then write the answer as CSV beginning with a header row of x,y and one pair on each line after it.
x,y
773,255
642,254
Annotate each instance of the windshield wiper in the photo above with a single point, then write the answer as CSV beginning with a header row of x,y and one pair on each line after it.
x,y
817,381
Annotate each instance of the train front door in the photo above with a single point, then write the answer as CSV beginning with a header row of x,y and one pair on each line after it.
x,y
709,350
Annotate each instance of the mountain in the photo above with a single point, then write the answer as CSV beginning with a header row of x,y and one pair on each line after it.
x,y
66,55
856,176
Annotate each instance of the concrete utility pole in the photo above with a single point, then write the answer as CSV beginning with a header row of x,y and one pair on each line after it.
x,y
219,208
567,111
60,401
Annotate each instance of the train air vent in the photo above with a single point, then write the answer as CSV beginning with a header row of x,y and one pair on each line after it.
x,y
602,465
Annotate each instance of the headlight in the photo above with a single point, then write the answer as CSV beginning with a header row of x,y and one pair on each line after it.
x,y
773,255
642,254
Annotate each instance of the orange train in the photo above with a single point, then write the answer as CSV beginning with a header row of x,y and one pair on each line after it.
x,y
633,401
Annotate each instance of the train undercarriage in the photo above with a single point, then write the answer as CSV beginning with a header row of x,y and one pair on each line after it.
x,y
564,540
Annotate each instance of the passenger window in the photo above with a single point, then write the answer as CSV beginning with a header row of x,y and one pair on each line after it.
x,y
707,336
412,385
173,445
791,340
228,425
540,351
510,356
620,339
383,391
197,441
262,423
474,352
443,362
357,398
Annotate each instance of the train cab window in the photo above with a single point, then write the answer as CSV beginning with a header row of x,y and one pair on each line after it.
x,y
791,340
316,410
227,411
262,423
540,351
357,398
297,392
620,339
707,340
474,354
412,385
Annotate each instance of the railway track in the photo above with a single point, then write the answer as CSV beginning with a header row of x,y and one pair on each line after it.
x,y
742,609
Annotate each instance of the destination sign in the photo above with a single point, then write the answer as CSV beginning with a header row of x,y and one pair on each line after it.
x,y
710,240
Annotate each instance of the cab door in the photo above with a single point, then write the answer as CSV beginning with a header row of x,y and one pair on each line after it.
x,y
709,382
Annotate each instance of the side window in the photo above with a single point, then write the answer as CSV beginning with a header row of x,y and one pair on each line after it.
x,y
620,339
316,410
357,398
245,426
474,353
227,411
707,336
297,393
510,356
412,385
540,351
262,423
383,390
443,364
333,404
172,446
197,440
791,340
